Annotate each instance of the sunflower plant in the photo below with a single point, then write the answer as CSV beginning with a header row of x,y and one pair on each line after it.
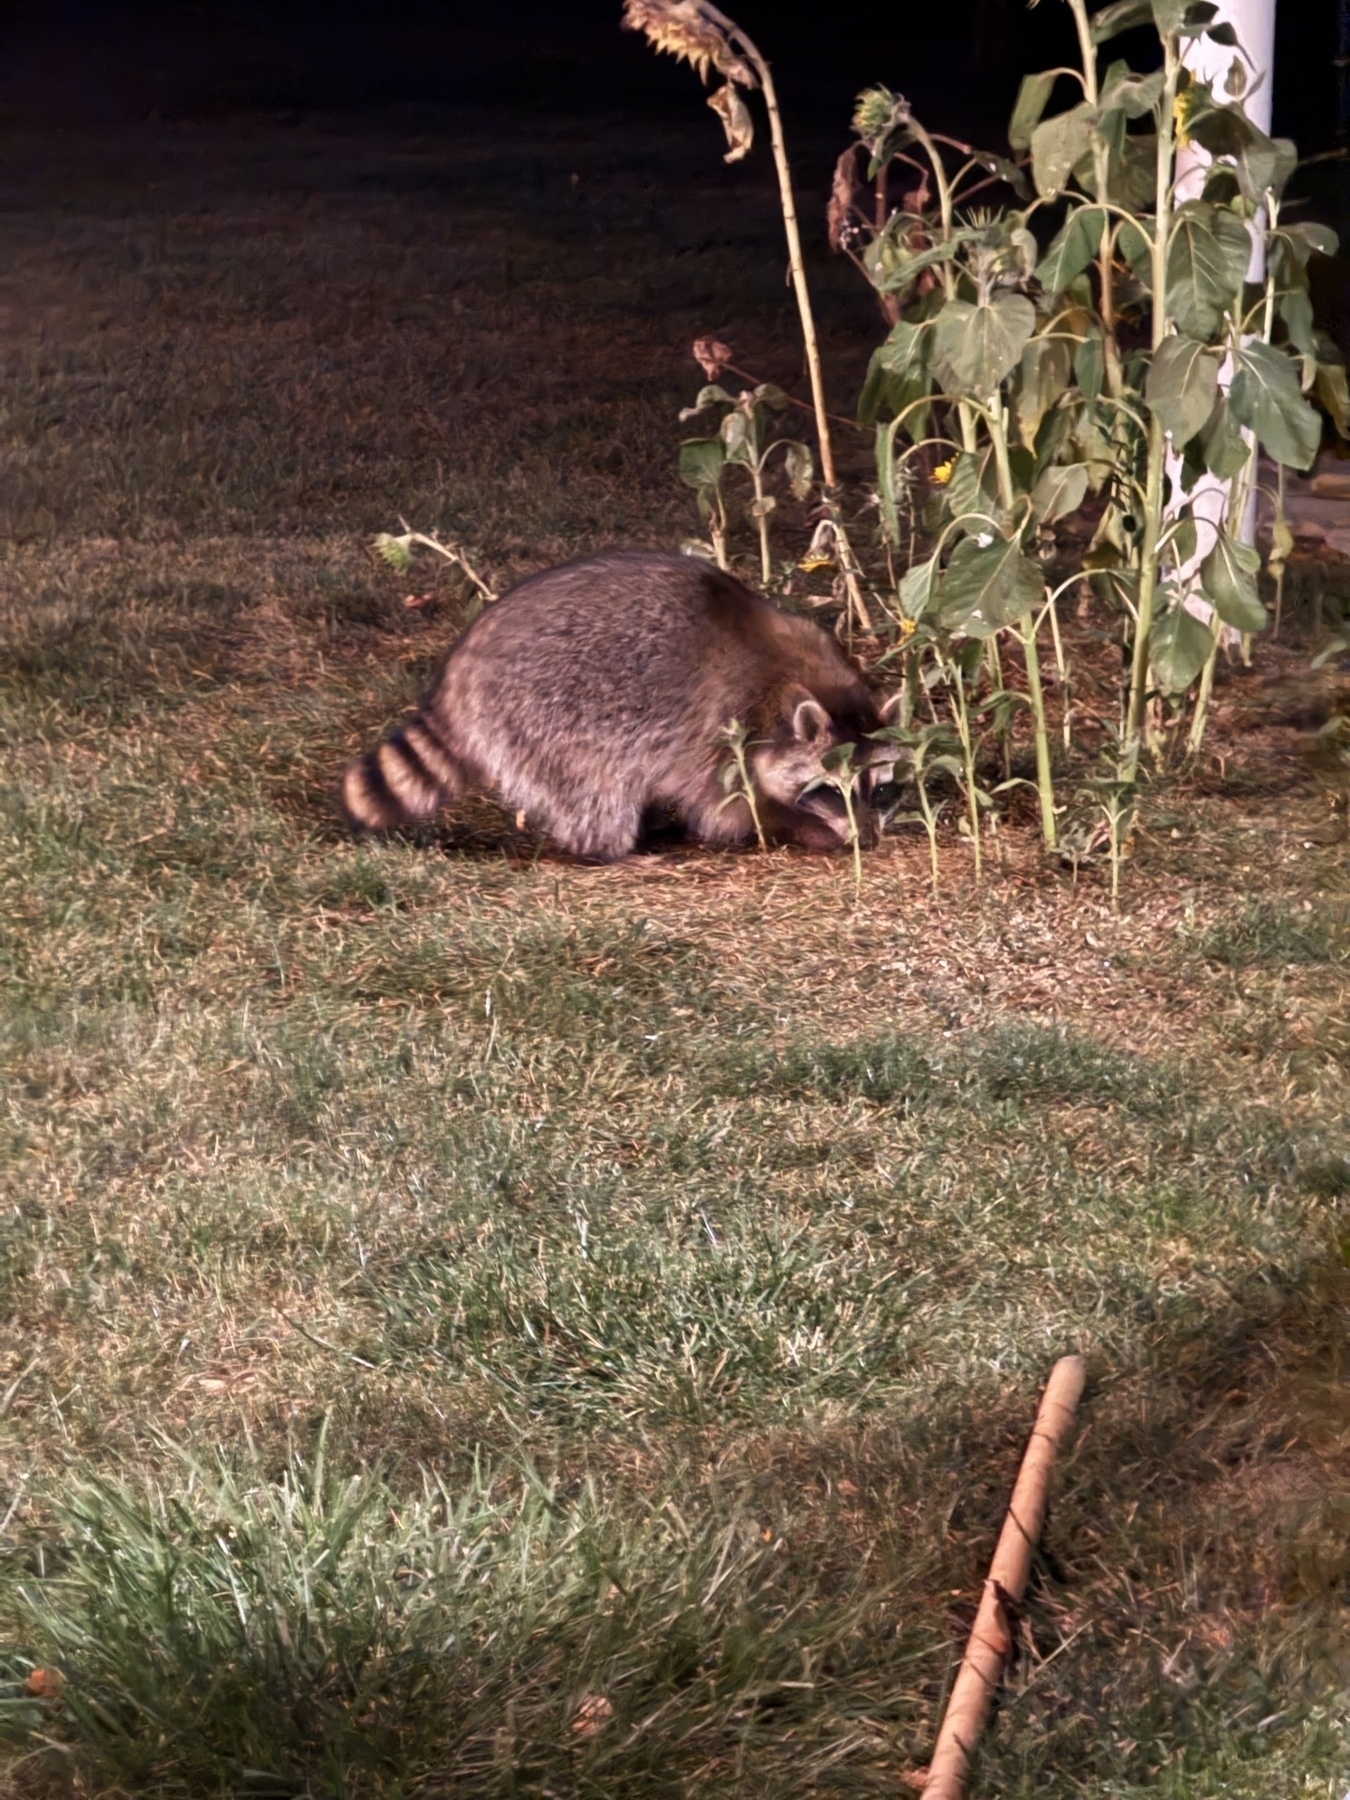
x,y
744,440
701,34
1079,324
1098,336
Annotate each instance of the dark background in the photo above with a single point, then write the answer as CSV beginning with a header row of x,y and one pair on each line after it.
x,y
95,61
133,71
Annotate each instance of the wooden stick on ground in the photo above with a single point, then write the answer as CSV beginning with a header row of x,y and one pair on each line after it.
x,y
987,1647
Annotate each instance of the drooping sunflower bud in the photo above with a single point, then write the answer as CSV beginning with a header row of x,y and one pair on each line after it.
x,y
877,114
712,356
872,112
683,29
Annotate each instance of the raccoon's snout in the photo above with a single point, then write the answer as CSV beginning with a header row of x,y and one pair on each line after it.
x,y
884,798
825,800
826,803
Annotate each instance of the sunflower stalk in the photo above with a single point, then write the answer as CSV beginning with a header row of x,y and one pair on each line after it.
x,y
701,34
1026,634
1157,442
737,779
970,786
841,774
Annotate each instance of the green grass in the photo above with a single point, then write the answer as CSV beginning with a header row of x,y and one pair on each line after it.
x,y
443,1289
1262,932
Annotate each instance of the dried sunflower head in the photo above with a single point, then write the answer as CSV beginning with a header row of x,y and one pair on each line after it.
x,y
683,29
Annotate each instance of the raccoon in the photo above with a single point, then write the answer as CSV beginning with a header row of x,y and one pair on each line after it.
x,y
594,697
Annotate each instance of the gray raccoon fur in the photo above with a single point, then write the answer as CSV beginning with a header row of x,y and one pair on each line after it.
x,y
594,695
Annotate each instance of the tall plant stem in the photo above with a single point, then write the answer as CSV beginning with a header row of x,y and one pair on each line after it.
x,y
1026,631
1062,672
968,764
734,736
794,242
1101,176
1045,786
762,521
1281,524
945,202
855,844
909,688
717,531
929,824
1200,717
1238,495
811,342
1157,442
1148,587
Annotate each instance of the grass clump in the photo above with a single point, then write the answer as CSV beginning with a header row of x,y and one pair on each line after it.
x,y
1265,932
310,1634
1011,1062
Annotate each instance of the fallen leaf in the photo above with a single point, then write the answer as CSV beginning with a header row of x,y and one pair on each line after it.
x,y
592,1715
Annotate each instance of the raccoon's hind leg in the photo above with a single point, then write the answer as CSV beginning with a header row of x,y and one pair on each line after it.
x,y
597,828
709,821
409,776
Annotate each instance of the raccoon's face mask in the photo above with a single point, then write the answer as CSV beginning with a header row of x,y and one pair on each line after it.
x,y
802,771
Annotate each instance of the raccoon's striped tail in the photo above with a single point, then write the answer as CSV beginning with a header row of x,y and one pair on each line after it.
x,y
409,776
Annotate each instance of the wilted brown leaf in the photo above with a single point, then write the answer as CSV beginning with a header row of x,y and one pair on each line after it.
x,y
736,121
839,215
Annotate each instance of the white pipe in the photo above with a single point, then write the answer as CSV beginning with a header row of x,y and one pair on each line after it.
x,y
1254,23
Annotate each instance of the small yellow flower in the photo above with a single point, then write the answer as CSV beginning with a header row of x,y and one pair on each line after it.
x,y
943,472
907,629
1183,109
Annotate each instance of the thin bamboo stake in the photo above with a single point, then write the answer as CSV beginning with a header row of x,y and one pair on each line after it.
x,y
981,1670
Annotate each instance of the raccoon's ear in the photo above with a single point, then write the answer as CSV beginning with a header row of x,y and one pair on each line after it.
x,y
810,721
889,707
